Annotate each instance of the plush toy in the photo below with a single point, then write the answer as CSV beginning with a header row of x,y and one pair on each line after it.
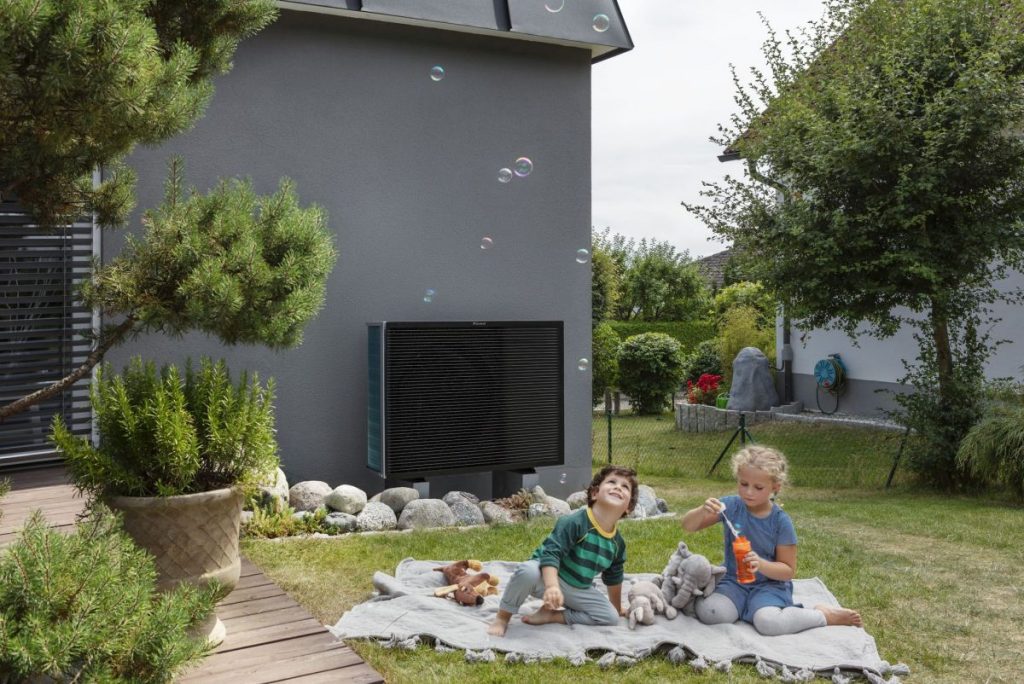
x,y
687,576
646,601
464,587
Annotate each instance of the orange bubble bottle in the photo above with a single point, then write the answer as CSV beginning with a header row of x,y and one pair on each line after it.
x,y
740,549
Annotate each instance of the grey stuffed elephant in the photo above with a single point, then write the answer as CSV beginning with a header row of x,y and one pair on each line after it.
x,y
687,576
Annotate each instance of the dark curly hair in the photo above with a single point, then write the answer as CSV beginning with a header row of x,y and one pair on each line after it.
x,y
621,471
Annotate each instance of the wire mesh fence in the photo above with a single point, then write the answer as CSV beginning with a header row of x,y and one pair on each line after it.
x,y
824,453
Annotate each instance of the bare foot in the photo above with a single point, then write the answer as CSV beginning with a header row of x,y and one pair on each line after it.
x,y
544,616
837,615
498,627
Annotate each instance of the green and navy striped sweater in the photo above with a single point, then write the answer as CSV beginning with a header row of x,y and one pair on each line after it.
x,y
580,549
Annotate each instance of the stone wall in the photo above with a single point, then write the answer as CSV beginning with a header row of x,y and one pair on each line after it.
x,y
702,418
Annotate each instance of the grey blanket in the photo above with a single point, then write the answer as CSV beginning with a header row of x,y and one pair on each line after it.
x,y
406,607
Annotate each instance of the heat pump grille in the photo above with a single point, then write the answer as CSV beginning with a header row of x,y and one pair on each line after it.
x,y
470,397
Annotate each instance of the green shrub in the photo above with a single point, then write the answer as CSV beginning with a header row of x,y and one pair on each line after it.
x,y
739,329
269,524
84,607
689,334
605,364
650,371
746,293
703,359
161,434
993,450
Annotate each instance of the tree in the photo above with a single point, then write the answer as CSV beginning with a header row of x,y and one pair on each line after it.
x,y
604,284
655,282
890,133
81,83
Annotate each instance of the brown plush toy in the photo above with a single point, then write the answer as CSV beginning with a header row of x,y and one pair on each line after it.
x,y
464,587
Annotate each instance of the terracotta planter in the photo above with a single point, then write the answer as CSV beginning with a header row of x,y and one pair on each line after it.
x,y
193,538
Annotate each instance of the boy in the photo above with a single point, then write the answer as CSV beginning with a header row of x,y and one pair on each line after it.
x,y
562,569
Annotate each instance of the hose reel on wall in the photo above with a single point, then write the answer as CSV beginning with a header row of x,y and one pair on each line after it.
x,y
830,378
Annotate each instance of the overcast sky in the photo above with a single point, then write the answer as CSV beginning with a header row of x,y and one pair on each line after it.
x,y
655,106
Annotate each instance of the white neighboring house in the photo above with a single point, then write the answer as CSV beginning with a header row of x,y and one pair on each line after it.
x,y
874,364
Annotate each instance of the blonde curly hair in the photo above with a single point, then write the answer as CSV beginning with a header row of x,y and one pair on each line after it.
x,y
766,459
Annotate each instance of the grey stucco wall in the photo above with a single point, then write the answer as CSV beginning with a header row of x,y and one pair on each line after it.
x,y
407,169
869,398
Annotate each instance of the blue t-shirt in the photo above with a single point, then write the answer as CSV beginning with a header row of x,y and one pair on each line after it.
x,y
776,529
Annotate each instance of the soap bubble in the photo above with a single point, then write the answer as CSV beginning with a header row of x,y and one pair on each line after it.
x,y
563,479
436,73
554,6
428,296
582,256
583,364
523,167
601,23
486,243
504,175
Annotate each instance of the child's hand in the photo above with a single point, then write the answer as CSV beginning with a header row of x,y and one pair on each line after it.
x,y
713,507
753,561
553,598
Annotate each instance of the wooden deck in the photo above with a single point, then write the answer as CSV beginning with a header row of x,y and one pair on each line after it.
x,y
270,638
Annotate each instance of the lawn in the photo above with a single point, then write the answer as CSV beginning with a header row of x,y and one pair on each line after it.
x,y
938,579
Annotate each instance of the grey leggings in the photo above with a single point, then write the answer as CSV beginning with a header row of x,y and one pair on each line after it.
x,y
719,609
582,606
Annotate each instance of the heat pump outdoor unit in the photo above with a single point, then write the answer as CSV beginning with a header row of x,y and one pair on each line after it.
x,y
464,397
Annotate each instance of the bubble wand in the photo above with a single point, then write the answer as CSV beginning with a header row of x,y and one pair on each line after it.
x,y
731,528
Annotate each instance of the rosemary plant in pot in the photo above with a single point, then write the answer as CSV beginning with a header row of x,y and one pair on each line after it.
x,y
176,454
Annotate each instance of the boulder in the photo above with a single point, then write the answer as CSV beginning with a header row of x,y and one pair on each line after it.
x,y
308,495
469,496
752,388
539,495
426,513
274,492
639,513
577,500
346,499
466,512
246,517
398,498
557,508
646,499
538,510
493,513
376,516
341,522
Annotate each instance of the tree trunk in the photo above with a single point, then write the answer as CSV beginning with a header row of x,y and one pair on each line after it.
x,y
113,337
943,356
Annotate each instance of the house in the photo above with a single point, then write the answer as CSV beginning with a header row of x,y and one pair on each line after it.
x,y
404,119
874,366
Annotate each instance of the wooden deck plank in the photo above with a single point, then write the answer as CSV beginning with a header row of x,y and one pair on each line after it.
x,y
360,673
270,638
269,634
264,654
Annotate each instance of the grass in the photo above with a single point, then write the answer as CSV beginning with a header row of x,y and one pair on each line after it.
x,y
938,579
820,455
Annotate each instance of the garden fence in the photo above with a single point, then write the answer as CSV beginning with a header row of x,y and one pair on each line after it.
x,y
825,452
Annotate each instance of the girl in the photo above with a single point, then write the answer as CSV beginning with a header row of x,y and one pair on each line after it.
x,y
768,601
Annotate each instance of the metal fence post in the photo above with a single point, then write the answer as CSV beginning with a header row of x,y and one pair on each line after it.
x,y
608,413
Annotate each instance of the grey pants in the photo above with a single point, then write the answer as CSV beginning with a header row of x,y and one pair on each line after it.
x,y
582,606
719,609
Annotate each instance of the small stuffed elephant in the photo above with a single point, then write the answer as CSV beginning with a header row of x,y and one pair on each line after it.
x,y
645,601
687,576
